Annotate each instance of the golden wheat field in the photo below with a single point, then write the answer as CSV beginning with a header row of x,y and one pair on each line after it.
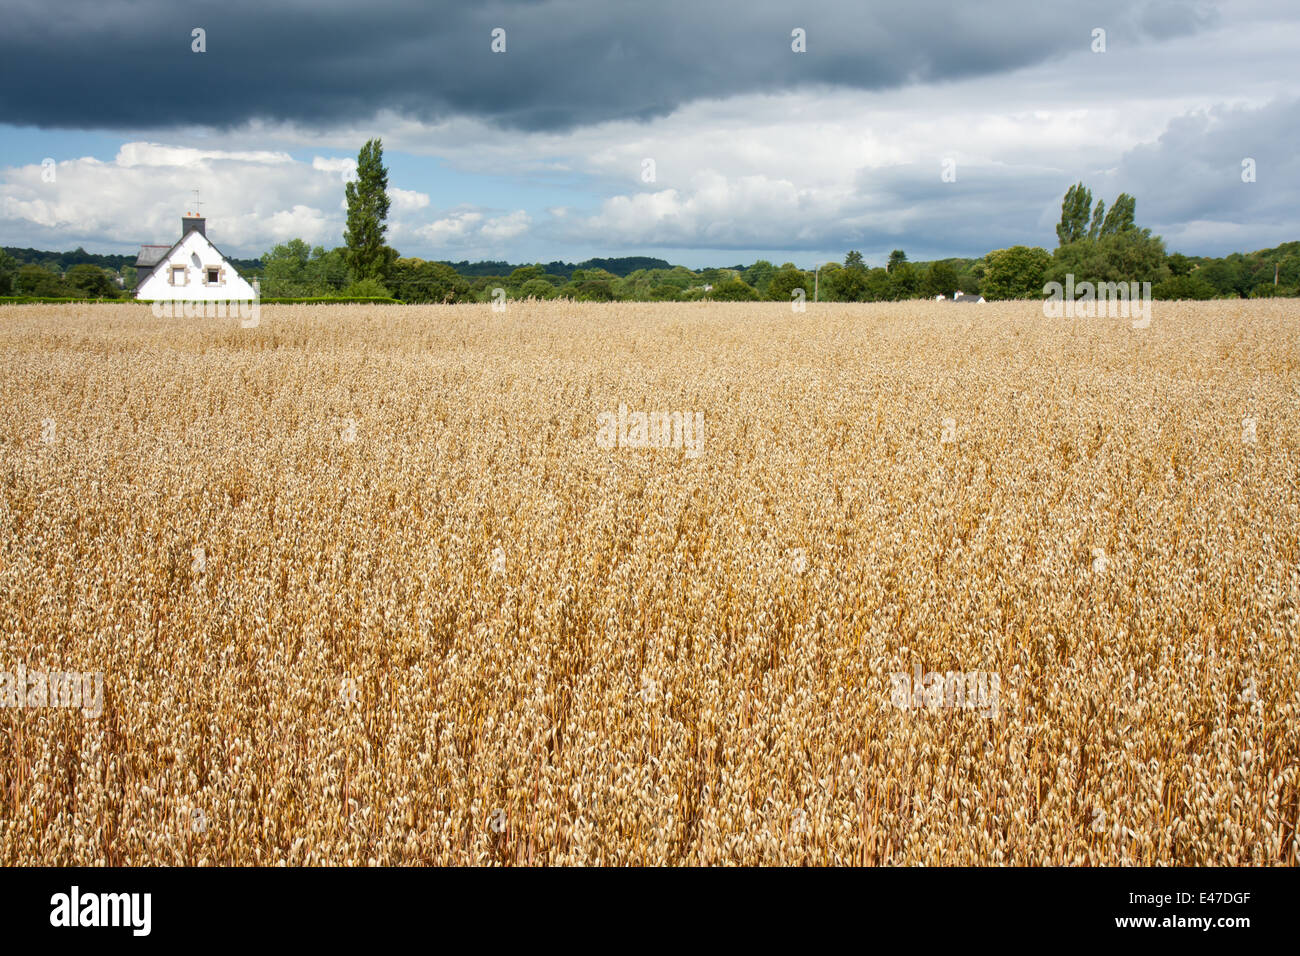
x,y
365,588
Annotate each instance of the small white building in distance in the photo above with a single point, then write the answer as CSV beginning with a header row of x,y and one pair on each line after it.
x,y
190,270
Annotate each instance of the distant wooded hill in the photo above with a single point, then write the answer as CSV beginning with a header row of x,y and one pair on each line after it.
x,y
623,266
62,261
295,269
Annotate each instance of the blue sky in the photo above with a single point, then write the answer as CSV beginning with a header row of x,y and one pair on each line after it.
x,y
758,151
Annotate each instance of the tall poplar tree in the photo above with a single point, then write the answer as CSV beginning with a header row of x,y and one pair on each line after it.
x,y
1121,216
1074,214
367,214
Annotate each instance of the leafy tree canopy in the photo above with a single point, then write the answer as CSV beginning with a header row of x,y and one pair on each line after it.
x,y
91,281
734,290
1074,214
1015,273
368,204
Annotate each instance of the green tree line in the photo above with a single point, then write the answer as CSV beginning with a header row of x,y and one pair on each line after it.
x,y
1095,243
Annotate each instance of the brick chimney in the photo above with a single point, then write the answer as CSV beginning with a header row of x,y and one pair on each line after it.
x,y
191,223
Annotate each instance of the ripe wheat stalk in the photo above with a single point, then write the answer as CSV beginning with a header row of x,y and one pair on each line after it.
x,y
364,588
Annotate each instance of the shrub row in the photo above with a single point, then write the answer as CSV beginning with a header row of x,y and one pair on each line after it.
x,y
322,300
44,299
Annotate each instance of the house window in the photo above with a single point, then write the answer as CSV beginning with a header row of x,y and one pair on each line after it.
x,y
179,276
214,275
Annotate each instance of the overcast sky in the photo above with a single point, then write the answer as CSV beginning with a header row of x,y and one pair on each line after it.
x,y
544,151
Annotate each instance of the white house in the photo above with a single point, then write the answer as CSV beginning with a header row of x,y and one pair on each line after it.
x,y
190,270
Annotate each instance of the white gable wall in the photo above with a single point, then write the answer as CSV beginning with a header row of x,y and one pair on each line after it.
x,y
196,255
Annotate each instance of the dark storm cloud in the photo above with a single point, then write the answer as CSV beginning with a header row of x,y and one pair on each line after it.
x,y
129,65
1190,183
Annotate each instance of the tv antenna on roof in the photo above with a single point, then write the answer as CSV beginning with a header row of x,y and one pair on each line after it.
x,y
198,206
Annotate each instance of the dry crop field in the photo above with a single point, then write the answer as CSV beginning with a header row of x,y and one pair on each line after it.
x,y
364,585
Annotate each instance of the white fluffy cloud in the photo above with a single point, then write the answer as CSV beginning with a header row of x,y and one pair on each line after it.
x,y
468,231
252,198
403,201
345,168
159,155
455,229
506,227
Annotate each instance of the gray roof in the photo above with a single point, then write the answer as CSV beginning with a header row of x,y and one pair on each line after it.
x,y
150,256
